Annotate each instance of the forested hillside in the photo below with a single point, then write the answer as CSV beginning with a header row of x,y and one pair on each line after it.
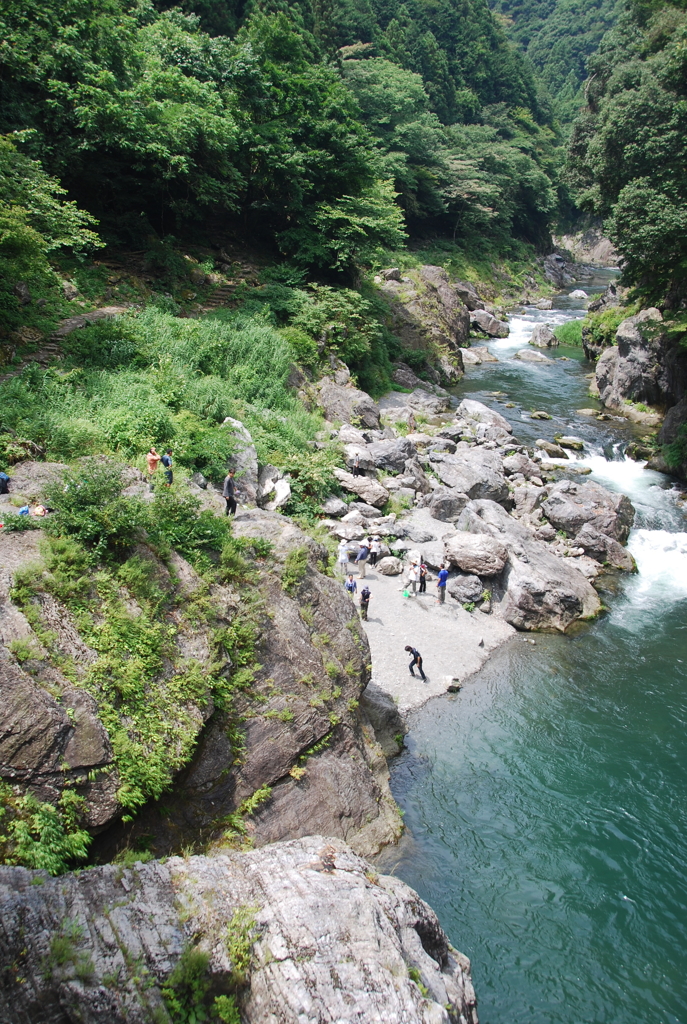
x,y
628,155
559,36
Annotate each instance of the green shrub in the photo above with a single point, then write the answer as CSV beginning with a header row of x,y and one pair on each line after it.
x,y
40,835
295,567
569,333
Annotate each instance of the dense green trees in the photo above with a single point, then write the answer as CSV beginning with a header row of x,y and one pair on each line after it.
x,y
628,155
302,124
559,36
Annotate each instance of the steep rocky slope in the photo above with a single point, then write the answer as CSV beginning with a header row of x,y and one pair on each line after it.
x,y
298,931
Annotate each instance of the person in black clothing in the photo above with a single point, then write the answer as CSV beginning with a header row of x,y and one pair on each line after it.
x,y
4,483
166,461
416,660
356,466
423,578
229,493
365,596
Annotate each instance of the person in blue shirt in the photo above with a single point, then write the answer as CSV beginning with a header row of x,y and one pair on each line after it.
x,y
350,585
441,585
166,461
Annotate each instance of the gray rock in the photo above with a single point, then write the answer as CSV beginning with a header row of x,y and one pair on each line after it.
x,y
351,435
428,314
604,548
404,376
544,304
477,412
380,936
447,504
390,566
69,290
529,355
578,293
476,473
371,491
466,589
527,498
22,292
200,481
385,719
543,337
244,461
390,274
30,479
520,463
391,455
489,324
467,293
415,474
575,444
359,452
366,511
339,402
537,590
554,450
266,493
476,553
334,506
571,504
638,368
418,535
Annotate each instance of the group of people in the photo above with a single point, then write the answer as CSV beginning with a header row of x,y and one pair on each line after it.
x,y
368,551
154,460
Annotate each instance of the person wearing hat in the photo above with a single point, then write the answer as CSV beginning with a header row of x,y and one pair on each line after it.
x,y
375,549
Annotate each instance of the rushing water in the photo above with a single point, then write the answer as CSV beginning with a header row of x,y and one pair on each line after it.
x,y
546,803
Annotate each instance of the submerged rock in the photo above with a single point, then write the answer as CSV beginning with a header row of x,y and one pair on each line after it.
x,y
328,939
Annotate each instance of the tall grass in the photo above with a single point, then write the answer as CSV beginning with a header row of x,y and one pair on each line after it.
x,y
153,378
569,333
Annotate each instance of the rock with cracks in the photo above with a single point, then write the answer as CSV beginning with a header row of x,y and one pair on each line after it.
x,y
370,490
329,941
476,554
571,504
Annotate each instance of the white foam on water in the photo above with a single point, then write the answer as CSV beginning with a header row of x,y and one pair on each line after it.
x,y
521,328
642,486
661,559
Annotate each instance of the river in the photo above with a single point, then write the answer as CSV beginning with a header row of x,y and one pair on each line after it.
x,y
546,802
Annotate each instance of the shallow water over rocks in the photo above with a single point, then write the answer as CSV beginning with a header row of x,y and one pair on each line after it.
x,y
545,802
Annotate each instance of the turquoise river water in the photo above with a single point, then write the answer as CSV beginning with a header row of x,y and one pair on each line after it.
x,y
546,802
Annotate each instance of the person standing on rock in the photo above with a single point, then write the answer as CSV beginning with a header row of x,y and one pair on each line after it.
x,y
342,556
153,460
416,659
350,585
356,466
166,461
423,578
441,585
229,493
375,550
362,556
365,596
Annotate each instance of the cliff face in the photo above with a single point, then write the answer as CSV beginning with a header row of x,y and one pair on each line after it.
x,y
250,722
298,931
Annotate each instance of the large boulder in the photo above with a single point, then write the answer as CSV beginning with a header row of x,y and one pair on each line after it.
x,y
489,324
573,503
446,504
466,589
520,463
274,489
428,314
645,365
390,566
244,461
348,404
536,590
370,490
477,473
476,554
404,376
530,355
328,939
604,549
29,479
543,337
471,410
467,293
391,455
